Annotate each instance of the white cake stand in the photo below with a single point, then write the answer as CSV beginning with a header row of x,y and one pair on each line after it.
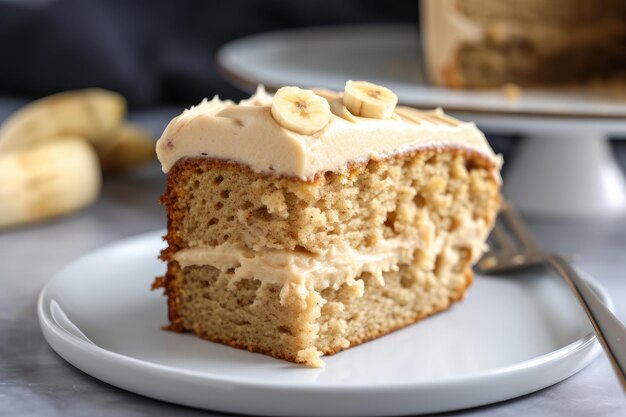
x,y
564,167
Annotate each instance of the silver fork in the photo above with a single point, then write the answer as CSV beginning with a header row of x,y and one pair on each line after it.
x,y
505,256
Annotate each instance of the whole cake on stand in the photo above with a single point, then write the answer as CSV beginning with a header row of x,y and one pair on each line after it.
x,y
488,43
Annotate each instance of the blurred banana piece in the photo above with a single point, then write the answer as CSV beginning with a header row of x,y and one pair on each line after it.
x,y
91,113
365,99
301,111
128,146
47,180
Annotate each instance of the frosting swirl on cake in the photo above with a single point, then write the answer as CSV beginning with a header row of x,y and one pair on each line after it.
x,y
247,134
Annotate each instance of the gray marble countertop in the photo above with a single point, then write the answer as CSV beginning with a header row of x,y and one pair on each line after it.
x,y
35,381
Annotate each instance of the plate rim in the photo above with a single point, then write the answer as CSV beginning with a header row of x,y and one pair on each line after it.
x,y
98,353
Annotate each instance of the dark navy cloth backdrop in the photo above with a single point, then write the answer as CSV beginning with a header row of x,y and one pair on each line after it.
x,y
153,51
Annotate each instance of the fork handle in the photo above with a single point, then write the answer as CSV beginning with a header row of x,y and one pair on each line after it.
x,y
611,333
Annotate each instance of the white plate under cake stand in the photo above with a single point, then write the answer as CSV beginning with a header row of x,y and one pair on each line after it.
x,y
511,336
565,166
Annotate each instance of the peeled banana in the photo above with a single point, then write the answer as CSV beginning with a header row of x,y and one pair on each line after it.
x,y
129,146
47,180
301,111
365,99
91,113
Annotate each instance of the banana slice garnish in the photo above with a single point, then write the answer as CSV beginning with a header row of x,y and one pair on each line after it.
x,y
301,111
365,99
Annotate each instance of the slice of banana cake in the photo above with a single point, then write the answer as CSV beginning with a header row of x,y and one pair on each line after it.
x,y
306,222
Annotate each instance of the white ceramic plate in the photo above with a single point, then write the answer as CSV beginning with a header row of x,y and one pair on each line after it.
x,y
390,55
511,336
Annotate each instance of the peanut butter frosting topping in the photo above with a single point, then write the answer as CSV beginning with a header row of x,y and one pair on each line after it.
x,y
248,134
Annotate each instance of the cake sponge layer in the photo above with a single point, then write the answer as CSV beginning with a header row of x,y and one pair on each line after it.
x,y
250,315
211,202
527,62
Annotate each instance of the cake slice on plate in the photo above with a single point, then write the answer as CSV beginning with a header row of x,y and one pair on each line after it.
x,y
304,223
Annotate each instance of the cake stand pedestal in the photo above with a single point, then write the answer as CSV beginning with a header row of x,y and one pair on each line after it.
x,y
563,167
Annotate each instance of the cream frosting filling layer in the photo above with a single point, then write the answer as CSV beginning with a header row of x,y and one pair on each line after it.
x,y
301,272
246,133
298,272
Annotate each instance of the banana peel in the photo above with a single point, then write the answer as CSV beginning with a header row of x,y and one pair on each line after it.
x,y
93,114
47,180
129,146
53,151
